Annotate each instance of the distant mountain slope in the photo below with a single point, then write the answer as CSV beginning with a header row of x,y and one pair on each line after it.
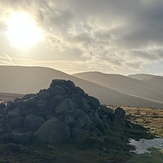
x,y
141,76
23,80
155,81
124,84
4,97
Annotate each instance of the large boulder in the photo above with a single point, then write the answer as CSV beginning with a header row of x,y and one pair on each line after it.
x,y
33,122
52,132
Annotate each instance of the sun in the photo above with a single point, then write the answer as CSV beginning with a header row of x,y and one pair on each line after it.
x,y
22,30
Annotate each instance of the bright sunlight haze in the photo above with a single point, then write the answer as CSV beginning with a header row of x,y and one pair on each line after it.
x,y
22,30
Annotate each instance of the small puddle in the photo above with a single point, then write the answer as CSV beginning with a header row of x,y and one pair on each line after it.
x,y
143,145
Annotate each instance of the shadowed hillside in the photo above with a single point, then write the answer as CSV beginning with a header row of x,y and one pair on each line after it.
x,y
155,81
23,80
140,88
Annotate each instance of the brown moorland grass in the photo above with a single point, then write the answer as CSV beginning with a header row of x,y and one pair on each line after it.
x,y
148,117
4,97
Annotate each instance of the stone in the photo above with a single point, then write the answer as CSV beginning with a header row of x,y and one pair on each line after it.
x,y
69,120
18,137
55,101
31,102
29,96
119,115
53,131
44,95
16,122
26,110
80,135
10,106
67,104
7,127
33,122
2,106
57,90
82,103
83,122
14,113
106,110
94,102
57,82
70,84
42,105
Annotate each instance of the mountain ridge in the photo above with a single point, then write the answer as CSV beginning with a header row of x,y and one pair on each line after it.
x,y
125,84
24,80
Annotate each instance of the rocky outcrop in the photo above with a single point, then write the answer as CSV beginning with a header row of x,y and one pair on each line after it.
x,y
63,112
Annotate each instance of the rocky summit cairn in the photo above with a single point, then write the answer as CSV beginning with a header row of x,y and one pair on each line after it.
x,y
61,113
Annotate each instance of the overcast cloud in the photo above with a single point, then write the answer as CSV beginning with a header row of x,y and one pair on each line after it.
x,y
114,36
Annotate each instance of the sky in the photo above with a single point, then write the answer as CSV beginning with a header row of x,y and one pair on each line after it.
x,y
110,36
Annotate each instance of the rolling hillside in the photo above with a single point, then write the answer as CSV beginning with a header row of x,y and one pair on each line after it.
x,y
23,80
130,86
154,80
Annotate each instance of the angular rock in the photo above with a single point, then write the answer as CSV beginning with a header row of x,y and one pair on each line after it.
x,y
53,131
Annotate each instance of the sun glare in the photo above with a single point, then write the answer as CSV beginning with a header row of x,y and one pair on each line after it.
x,y
22,30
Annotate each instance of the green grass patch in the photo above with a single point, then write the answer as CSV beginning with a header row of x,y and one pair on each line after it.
x,y
153,157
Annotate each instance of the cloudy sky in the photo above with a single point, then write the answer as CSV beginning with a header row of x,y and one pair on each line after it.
x,y
112,36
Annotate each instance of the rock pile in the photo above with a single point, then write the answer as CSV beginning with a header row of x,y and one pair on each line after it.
x,y
61,113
